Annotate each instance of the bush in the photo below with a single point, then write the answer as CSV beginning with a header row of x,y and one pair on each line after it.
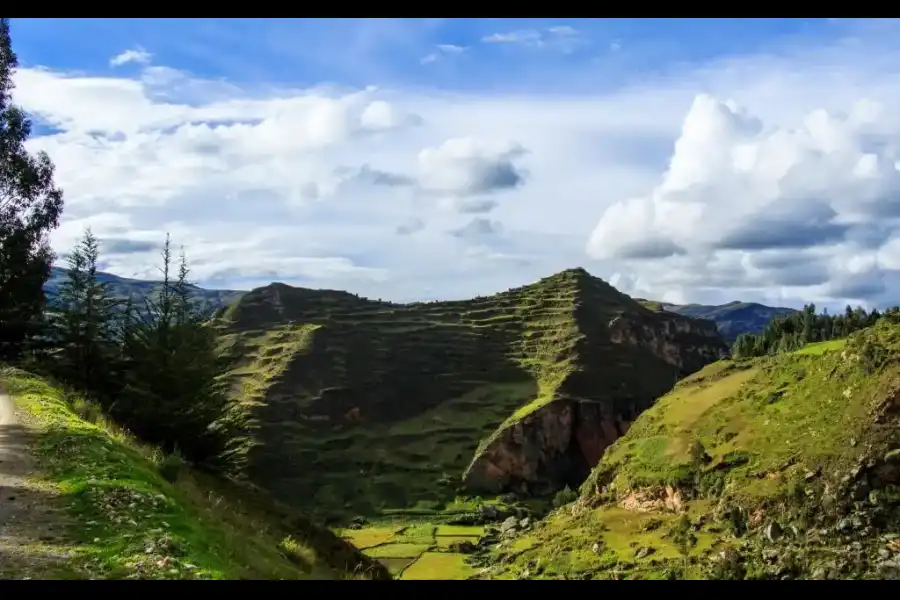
x,y
171,466
564,496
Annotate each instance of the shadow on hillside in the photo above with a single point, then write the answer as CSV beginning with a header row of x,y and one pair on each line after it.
x,y
387,411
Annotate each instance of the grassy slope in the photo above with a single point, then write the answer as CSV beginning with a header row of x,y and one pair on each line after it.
x,y
795,440
130,522
365,406
445,366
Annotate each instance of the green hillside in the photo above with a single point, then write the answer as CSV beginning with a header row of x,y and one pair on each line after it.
x,y
351,406
102,506
773,468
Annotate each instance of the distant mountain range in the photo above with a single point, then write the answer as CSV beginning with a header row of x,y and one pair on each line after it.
x,y
122,287
732,319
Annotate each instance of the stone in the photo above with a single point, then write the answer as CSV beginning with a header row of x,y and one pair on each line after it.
x,y
488,511
774,531
508,524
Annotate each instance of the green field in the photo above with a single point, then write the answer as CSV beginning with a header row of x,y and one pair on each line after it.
x,y
417,551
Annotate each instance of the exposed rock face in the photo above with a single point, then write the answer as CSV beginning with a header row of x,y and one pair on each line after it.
x,y
685,343
558,444
554,446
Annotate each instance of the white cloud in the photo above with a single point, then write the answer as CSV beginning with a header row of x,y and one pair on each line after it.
x,y
523,36
470,167
441,51
560,37
135,55
682,195
736,188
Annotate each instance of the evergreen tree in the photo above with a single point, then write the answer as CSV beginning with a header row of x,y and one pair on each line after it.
x,y
791,332
173,396
90,322
30,207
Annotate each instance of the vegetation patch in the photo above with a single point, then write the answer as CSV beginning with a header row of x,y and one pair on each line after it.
x,y
775,467
438,565
130,522
402,545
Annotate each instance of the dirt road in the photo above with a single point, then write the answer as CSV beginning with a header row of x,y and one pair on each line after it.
x,y
30,519
7,409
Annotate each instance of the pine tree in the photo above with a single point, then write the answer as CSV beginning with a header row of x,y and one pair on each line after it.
x,y
90,322
30,207
173,396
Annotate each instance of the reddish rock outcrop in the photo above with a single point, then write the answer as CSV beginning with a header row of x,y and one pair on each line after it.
x,y
559,443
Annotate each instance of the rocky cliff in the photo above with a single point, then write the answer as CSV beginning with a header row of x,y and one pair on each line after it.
x,y
618,368
363,405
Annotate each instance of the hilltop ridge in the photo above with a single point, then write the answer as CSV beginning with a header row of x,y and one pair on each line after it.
x,y
364,405
733,318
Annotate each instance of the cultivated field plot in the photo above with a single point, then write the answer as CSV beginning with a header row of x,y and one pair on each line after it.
x,y
417,551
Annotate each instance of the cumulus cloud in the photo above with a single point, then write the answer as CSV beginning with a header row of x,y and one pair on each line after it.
x,y
733,184
469,167
134,55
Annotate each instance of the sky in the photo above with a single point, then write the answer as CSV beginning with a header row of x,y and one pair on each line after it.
x,y
684,160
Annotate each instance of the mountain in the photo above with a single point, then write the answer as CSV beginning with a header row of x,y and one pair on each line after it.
x,y
780,467
732,319
359,406
122,287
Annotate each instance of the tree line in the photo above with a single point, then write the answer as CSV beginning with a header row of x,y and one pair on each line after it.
x,y
151,362
791,332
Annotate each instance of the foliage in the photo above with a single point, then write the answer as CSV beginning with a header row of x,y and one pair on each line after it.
x,y
171,395
766,467
30,207
791,332
88,330
134,515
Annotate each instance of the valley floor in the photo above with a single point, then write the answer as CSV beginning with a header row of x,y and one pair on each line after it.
x,y
418,550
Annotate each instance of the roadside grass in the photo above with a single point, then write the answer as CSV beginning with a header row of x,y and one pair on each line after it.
x,y
130,522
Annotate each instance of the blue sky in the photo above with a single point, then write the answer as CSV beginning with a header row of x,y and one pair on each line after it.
x,y
687,160
360,52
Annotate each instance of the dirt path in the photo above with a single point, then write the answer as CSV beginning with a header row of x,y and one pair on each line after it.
x,y
31,522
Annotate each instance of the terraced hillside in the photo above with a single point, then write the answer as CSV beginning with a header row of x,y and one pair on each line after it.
x,y
361,406
775,468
